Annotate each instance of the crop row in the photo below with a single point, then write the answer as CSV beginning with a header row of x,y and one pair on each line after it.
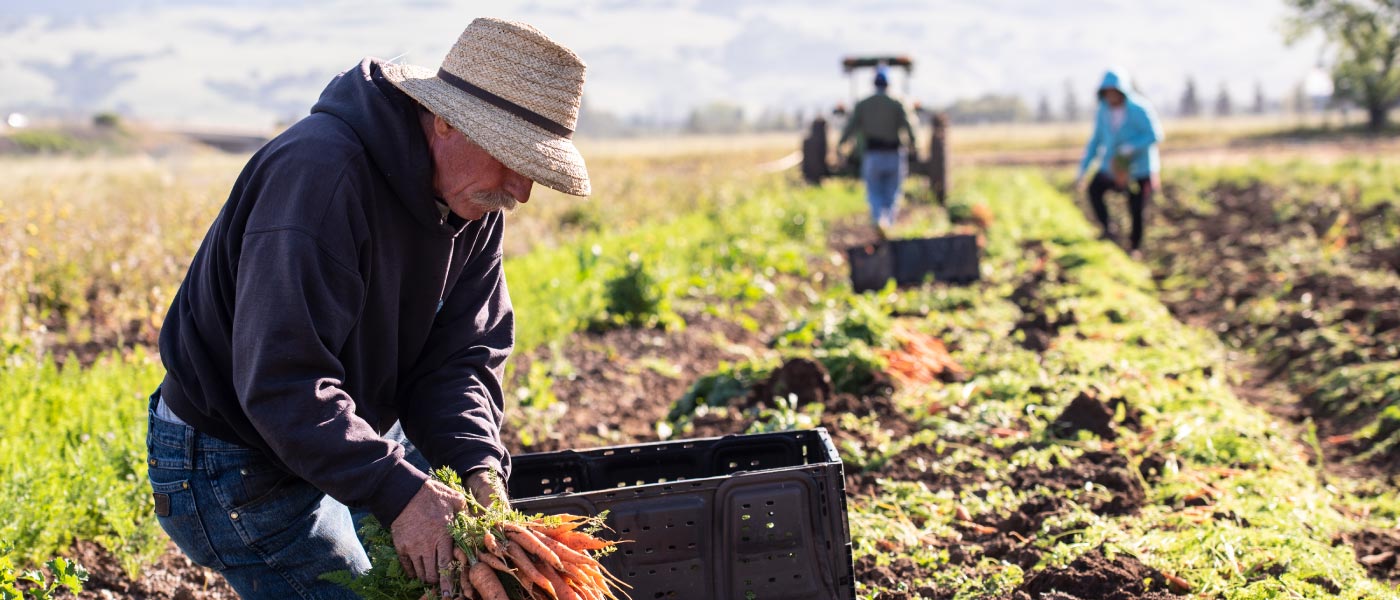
x,y
1097,448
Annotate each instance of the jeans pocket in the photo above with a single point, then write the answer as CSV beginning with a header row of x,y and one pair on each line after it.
x,y
256,482
267,499
178,514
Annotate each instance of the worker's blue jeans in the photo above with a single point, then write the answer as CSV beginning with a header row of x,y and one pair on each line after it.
x,y
884,172
229,508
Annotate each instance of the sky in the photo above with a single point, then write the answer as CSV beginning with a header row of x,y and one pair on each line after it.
x,y
253,63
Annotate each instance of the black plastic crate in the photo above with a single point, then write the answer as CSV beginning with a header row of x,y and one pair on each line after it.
x,y
871,266
758,516
952,259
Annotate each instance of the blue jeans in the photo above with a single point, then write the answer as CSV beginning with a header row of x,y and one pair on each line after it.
x,y
231,509
884,172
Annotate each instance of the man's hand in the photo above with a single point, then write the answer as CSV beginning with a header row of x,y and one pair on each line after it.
x,y
1120,177
421,534
484,484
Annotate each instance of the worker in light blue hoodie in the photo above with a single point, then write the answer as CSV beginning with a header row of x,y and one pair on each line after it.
x,y
1126,134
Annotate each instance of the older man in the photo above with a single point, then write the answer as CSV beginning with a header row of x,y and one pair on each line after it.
x,y
351,285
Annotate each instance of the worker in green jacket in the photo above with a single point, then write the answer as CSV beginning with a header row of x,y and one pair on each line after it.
x,y
882,126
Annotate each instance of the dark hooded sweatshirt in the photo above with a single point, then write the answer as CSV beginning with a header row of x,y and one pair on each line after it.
x,y
331,298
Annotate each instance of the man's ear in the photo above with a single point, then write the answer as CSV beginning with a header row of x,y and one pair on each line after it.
x,y
440,126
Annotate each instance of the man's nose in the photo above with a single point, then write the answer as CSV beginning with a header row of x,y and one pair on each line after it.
x,y
519,186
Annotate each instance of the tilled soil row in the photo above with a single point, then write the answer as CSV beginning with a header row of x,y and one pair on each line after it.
x,y
1334,315
1051,493
1331,315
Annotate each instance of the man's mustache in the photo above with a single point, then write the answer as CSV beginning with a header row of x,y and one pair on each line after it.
x,y
496,200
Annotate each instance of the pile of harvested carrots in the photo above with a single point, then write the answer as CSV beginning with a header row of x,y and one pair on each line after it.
x,y
921,359
502,554
505,555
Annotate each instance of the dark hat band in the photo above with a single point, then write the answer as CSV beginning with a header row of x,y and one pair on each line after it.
x,y
530,116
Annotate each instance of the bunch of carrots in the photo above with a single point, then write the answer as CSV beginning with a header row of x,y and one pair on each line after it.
x,y
502,554
921,359
505,555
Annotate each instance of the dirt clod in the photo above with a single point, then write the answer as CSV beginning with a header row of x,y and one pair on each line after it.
x,y
1107,469
804,378
1376,550
895,575
1094,576
1085,413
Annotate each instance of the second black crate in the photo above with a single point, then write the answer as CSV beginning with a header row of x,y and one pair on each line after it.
x,y
952,258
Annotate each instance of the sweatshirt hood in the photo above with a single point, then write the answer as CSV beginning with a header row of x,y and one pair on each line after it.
x,y
386,121
1118,80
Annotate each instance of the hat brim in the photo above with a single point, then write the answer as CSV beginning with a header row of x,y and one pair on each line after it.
x,y
546,158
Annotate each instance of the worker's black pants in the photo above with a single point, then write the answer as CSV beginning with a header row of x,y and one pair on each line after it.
x,y
1139,199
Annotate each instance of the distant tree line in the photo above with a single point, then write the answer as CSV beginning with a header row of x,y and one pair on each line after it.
x,y
1076,104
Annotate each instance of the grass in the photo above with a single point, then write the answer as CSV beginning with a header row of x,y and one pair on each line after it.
x,y
72,448
97,247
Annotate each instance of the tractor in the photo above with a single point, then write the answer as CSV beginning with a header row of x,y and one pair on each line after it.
x,y
817,147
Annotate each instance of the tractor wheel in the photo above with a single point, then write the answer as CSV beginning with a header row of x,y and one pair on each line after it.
x,y
814,167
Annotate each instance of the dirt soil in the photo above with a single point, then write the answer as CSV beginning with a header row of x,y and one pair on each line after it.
x,y
1378,551
1094,576
1037,328
1228,261
1224,251
900,571
626,379
1087,413
173,577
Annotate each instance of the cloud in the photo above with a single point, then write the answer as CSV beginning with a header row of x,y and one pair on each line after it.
x,y
284,95
768,48
238,35
655,57
87,79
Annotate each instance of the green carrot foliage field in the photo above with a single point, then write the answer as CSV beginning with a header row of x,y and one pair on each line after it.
x,y
1091,438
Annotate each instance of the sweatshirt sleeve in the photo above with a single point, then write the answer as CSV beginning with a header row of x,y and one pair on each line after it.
x,y
296,304
454,406
906,126
1149,133
1092,148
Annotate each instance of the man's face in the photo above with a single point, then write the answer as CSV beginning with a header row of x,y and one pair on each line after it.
x,y
1114,97
467,178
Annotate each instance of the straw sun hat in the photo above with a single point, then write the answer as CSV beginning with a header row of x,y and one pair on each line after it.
x,y
512,91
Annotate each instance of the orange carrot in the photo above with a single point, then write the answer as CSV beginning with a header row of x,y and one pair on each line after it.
x,y
560,586
597,580
528,571
492,545
588,592
551,530
461,572
565,553
1178,584
533,544
494,562
483,578
578,540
